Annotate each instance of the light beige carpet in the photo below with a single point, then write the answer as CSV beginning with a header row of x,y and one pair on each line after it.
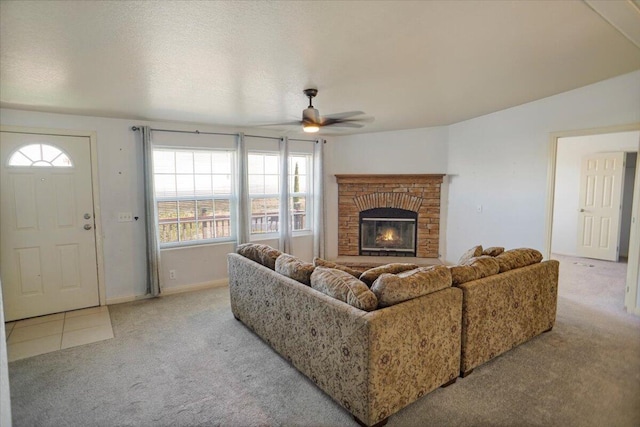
x,y
183,360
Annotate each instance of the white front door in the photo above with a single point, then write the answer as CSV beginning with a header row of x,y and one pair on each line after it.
x,y
600,206
48,261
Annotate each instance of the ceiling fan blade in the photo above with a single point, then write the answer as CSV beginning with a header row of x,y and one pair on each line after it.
x,y
293,123
345,115
344,125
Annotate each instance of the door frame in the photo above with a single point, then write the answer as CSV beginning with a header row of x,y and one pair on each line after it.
x,y
630,301
95,187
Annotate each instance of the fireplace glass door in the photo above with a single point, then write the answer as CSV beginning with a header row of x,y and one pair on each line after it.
x,y
388,232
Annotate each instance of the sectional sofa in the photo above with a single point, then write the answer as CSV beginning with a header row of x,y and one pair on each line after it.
x,y
378,344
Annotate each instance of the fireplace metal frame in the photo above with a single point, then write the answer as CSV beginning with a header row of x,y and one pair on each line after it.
x,y
388,214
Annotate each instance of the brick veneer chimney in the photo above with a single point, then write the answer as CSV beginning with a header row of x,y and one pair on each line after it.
x,y
417,193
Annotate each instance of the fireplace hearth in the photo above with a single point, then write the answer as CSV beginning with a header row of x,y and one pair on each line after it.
x,y
388,232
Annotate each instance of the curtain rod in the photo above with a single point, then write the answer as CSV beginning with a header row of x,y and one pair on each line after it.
x,y
197,132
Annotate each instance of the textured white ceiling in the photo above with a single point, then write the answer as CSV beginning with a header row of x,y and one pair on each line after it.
x,y
408,64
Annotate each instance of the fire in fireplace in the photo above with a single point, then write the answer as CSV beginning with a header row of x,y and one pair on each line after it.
x,y
388,232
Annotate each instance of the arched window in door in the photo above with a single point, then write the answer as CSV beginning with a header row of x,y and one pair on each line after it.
x,y
40,155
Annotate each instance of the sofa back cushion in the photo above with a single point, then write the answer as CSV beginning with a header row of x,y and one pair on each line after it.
x,y
263,254
474,269
392,289
516,258
319,262
343,286
372,274
493,251
475,251
292,267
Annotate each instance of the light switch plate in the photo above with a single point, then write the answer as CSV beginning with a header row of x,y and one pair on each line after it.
x,y
125,217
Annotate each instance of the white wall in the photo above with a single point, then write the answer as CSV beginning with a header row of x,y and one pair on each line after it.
x,y
500,161
121,190
418,151
571,150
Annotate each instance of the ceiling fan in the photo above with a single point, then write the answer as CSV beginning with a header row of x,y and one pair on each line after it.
x,y
312,121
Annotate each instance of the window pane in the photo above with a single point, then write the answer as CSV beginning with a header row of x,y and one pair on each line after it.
x,y
271,164
271,184
187,209
203,185
205,219
184,162
62,161
299,213
256,163
49,153
221,184
19,159
256,184
187,214
221,162
32,151
164,162
298,184
301,162
222,222
258,207
185,185
165,185
202,162
168,221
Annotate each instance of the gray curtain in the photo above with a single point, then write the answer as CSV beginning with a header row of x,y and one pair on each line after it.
x,y
318,199
285,211
151,216
243,233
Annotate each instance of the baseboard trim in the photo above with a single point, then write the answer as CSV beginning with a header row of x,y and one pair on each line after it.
x,y
220,283
130,298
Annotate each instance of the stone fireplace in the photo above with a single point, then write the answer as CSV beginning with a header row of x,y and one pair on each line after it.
x,y
389,215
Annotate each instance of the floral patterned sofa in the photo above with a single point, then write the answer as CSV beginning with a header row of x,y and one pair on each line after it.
x,y
509,297
376,341
373,363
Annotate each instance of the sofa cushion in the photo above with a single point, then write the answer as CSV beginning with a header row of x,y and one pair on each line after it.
x,y
263,254
493,251
372,274
516,258
484,266
473,252
462,274
343,286
319,262
392,289
292,267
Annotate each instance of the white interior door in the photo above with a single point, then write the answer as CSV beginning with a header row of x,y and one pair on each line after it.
x,y
48,261
601,185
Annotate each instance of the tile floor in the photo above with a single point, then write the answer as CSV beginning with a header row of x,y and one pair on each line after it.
x,y
39,335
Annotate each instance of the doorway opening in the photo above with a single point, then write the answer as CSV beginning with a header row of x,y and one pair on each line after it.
x,y
591,171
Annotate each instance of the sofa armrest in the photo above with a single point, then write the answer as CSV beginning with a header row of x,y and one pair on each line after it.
x,y
414,349
502,311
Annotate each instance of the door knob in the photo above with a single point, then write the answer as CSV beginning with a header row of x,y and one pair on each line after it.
x,y
87,226
581,210
87,216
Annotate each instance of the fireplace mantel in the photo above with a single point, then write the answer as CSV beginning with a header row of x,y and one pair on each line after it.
x,y
419,193
390,178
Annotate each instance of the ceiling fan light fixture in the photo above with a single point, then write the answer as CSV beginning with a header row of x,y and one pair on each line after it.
x,y
310,127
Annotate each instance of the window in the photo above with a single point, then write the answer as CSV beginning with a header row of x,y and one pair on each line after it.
x,y
194,190
264,192
299,183
40,155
